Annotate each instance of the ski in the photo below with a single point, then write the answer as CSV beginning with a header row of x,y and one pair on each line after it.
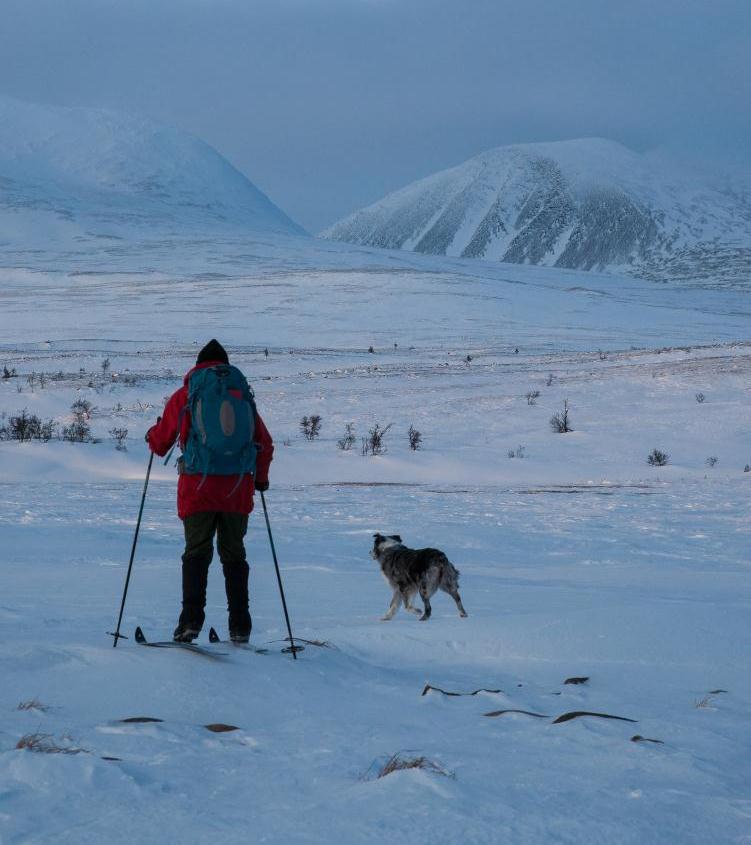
x,y
196,649
214,638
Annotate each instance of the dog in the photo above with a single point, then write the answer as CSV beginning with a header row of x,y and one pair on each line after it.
x,y
411,571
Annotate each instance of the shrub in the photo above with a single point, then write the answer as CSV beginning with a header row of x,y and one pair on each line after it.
x,y
516,453
700,397
105,367
8,373
119,435
532,397
348,441
310,426
711,461
658,458
24,426
550,380
415,438
374,444
560,422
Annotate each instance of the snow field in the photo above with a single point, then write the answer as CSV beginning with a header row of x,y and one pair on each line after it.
x,y
576,560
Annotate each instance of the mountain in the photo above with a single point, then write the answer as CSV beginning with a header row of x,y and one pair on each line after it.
x,y
74,171
588,204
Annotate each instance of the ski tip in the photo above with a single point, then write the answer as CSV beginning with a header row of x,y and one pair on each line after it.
x,y
213,636
139,635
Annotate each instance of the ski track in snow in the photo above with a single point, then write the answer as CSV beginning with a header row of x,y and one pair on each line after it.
x,y
576,560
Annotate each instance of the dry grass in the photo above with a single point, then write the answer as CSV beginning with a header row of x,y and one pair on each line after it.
x,y
47,744
704,703
33,704
398,763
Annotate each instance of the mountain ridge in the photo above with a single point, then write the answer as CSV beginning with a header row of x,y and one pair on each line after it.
x,y
589,204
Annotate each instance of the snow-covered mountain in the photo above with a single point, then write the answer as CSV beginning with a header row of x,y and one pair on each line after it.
x,y
79,171
586,204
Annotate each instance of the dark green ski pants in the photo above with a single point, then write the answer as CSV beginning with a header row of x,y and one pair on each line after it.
x,y
200,529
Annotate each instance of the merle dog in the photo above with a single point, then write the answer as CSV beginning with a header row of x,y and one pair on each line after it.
x,y
411,571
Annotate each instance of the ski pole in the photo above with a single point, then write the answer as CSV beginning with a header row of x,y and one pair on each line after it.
x,y
117,633
293,648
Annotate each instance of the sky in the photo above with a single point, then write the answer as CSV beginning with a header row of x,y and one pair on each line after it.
x,y
327,105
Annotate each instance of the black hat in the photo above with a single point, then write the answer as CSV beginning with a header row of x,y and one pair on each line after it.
x,y
213,351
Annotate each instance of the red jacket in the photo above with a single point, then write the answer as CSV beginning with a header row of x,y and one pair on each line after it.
x,y
215,492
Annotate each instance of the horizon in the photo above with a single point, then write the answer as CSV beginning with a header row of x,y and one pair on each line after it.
x,y
331,105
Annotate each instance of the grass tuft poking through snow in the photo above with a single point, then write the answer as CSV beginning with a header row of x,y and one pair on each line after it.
x,y
44,743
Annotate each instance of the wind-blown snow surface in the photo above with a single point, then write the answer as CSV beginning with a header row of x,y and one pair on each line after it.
x,y
577,559
587,204
70,174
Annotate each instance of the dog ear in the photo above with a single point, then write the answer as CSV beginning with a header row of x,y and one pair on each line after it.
x,y
377,537
396,537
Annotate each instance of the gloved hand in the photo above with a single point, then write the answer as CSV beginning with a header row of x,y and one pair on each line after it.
x,y
148,431
262,486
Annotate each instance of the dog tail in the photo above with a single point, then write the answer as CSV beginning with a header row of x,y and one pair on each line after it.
x,y
450,576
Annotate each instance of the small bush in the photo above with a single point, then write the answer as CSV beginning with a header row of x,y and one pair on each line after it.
x,y
119,435
348,441
33,704
516,453
46,744
658,458
747,468
550,380
700,397
374,444
560,422
532,397
371,350
8,373
397,763
105,367
415,438
711,461
24,426
310,426
82,409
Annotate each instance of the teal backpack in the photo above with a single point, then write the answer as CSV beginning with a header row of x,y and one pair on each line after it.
x,y
223,414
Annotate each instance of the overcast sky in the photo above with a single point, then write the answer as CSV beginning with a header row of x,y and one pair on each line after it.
x,y
329,104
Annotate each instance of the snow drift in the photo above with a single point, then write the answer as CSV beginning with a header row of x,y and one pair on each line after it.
x,y
584,204
78,171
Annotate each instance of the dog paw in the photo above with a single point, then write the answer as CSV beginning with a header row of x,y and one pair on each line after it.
x,y
464,614
385,619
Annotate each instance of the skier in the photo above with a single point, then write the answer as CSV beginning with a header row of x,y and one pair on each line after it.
x,y
217,478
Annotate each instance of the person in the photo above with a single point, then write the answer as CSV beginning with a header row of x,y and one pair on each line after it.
x,y
209,503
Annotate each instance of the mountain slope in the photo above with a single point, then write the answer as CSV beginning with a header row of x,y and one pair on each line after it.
x,y
64,170
585,204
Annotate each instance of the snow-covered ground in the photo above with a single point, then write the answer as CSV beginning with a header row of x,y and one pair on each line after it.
x,y
577,559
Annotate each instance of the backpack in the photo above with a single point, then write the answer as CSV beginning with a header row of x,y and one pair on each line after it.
x,y
223,413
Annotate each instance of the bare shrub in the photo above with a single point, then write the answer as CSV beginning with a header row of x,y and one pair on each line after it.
x,y
532,397
119,435
374,444
33,704
310,426
658,458
47,744
700,397
8,373
398,763
371,350
516,453
415,438
550,380
747,468
711,461
560,422
348,441
704,703
79,431
105,367
24,426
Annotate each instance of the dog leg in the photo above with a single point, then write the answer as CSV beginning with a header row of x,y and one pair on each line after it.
x,y
426,601
396,600
458,599
408,604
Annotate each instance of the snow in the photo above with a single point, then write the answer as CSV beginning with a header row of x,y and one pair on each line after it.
x,y
577,559
582,203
